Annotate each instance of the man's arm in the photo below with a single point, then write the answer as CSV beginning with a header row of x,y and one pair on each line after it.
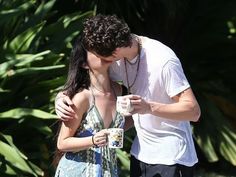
x,y
185,107
63,107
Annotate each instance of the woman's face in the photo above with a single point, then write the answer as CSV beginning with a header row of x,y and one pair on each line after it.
x,y
96,63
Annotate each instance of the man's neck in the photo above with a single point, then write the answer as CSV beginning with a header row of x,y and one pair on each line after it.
x,y
132,52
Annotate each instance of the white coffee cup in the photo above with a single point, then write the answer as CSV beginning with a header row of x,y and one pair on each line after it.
x,y
123,105
115,137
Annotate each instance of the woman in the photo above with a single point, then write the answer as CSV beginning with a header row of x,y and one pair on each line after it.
x,y
84,138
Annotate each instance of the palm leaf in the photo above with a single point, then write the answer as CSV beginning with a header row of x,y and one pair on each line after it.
x,y
15,159
19,113
8,14
22,42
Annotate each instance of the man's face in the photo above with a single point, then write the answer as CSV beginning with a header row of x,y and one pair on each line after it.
x,y
111,58
96,63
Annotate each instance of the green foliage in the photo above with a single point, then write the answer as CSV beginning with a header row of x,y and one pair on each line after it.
x,y
209,56
34,47
35,42
17,160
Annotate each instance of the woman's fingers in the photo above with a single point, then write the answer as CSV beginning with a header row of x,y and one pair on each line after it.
x,y
100,138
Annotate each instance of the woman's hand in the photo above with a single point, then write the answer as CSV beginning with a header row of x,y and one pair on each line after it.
x,y
100,138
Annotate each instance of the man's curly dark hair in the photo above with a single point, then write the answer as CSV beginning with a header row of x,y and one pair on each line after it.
x,y
104,33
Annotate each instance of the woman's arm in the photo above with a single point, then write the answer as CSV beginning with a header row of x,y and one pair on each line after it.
x,y
66,140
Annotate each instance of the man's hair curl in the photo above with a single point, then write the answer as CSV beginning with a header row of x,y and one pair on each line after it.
x,y
104,33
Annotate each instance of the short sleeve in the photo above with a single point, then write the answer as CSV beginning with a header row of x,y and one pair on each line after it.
x,y
174,79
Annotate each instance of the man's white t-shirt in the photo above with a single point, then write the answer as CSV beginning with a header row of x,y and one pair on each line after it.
x,y
160,77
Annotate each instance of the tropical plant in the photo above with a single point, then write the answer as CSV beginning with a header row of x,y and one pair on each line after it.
x,y
209,43
35,41
34,46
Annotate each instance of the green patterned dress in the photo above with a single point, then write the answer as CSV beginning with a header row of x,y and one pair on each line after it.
x,y
93,162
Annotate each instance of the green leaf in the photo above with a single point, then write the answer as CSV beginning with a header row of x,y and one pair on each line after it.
x,y
124,158
7,15
227,146
39,125
208,148
20,60
25,59
19,113
215,135
15,159
44,8
7,168
9,140
34,70
5,67
64,30
22,42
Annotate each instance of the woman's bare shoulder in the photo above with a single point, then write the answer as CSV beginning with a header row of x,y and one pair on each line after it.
x,y
81,99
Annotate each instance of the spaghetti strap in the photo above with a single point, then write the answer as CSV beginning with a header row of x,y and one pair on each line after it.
x,y
92,100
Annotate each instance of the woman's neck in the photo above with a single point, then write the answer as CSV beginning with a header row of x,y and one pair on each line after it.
x,y
101,82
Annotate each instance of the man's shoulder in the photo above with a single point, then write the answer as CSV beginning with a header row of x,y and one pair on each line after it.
x,y
151,43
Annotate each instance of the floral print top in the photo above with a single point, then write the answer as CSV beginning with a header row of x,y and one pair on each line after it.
x,y
93,162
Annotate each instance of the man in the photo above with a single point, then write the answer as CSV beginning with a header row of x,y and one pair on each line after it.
x,y
160,94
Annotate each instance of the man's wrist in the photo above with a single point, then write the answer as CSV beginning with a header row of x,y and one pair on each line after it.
x,y
156,108
150,107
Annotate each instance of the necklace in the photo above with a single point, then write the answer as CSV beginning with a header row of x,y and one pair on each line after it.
x,y
102,91
99,86
137,68
133,63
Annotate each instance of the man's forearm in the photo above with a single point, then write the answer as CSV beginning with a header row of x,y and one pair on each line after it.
x,y
183,111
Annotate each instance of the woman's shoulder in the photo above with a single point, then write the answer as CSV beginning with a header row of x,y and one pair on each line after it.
x,y
81,98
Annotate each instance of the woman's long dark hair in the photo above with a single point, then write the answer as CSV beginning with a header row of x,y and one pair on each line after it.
x,y
78,76
77,80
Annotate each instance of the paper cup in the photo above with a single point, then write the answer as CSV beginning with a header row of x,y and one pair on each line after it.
x,y
123,105
115,137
